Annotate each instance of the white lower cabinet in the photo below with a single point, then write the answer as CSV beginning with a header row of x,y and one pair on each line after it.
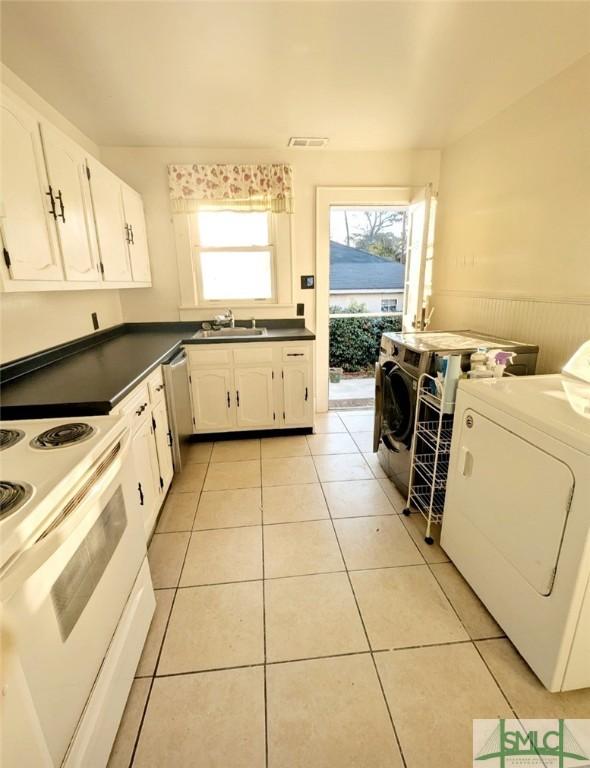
x,y
213,401
247,395
145,461
151,452
163,443
254,398
297,402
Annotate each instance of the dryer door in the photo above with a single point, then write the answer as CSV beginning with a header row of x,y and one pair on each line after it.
x,y
516,494
399,399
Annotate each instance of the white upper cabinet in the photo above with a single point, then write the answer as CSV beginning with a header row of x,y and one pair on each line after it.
x,y
28,229
110,223
136,235
70,194
66,221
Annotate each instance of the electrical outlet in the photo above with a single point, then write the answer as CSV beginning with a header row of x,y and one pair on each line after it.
x,y
300,310
95,321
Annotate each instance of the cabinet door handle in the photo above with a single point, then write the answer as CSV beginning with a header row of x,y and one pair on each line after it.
x,y
295,354
228,401
238,398
139,488
132,240
169,434
306,393
127,237
62,213
159,388
52,209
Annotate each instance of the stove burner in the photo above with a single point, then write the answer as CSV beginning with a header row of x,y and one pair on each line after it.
x,y
10,437
12,496
63,435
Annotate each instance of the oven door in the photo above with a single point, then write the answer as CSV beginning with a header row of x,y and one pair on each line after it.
x,y
63,596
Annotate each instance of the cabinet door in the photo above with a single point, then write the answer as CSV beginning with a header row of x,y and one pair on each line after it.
x,y
213,401
138,249
66,169
297,399
28,229
254,400
107,203
164,450
147,476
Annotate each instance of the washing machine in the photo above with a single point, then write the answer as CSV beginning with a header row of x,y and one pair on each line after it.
x,y
403,357
516,521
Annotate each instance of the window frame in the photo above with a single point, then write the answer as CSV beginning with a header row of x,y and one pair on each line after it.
x,y
191,305
197,249
395,300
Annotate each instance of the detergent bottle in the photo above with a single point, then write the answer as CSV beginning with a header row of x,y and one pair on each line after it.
x,y
479,364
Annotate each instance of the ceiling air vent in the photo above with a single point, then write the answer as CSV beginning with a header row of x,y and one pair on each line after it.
x,y
307,142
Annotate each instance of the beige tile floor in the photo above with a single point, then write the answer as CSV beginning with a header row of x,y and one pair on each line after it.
x,y
302,621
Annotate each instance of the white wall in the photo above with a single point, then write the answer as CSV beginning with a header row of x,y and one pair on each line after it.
x,y
146,170
512,250
33,321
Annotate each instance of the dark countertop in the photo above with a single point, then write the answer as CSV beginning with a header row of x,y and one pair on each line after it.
x,y
90,376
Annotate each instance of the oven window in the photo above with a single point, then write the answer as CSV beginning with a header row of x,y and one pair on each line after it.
x,y
76,583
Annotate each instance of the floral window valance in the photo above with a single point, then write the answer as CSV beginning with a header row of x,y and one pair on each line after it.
x,y
231,188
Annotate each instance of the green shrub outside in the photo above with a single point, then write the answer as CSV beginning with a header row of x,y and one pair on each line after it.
x,y
354,341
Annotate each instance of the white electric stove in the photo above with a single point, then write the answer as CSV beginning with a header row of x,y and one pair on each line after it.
x,y
75,589
41,462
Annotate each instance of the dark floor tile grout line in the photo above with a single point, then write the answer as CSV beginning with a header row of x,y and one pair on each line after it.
x,y
394,729
153,676
207,670
282,522
345,569
493,676
264,641
472,640
279,662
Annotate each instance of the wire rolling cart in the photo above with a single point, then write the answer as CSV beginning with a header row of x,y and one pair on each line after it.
x,y
430,452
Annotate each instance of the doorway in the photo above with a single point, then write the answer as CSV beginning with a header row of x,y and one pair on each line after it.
x,y
420,205
366,295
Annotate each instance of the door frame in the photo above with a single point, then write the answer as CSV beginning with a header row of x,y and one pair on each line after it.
x,y
325,198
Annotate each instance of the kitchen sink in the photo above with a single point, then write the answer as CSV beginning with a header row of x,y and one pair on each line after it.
x,y
230,333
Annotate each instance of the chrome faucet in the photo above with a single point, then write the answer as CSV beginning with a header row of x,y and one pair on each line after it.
x,y
227,319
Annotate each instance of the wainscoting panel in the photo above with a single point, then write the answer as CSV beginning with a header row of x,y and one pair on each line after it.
x,y
558,327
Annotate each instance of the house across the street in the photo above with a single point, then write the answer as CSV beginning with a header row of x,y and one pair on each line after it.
x,y
358,276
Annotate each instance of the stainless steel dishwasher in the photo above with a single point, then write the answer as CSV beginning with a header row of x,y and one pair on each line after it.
x,y
178,400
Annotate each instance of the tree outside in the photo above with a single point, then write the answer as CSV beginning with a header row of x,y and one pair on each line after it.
x,y
381,231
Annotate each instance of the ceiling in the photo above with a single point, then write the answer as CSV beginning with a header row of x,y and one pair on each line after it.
x,y
251,74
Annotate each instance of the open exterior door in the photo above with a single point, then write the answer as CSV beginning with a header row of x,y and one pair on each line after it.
x,y
419,248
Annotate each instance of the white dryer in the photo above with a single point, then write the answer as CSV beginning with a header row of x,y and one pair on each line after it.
x,y
517,512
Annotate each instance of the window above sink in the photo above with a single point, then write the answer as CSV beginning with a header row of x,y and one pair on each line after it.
x,y
237,259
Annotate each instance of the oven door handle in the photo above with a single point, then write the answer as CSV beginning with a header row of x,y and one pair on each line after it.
x,y
30,560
